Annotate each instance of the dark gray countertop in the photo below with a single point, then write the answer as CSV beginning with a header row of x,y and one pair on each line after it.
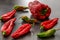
x,y
6,5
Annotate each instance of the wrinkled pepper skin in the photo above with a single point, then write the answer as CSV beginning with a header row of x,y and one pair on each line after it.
x,y
22,30
8,15
46,33
7,27
39,10
46,25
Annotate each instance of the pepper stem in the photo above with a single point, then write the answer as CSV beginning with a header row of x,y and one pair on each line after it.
x,y
44,11
26,8
41,28
4,33
0,18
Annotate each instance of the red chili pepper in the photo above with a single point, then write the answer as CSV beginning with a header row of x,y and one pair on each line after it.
x,y
49,24
39,10
8,27
22,30
8,15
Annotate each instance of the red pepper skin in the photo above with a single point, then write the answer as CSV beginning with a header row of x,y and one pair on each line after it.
x,y
8,27
49,24
8,15
39,10
22,30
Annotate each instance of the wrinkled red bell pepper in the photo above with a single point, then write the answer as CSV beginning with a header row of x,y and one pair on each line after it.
x,y
46,25
22,30
39,10
8,27
8,15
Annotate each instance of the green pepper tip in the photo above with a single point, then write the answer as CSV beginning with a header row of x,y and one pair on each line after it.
x,y
0,18
4,33
15,7
25,7
41,27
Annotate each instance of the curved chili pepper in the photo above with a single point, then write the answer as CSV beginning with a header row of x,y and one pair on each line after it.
x,y
28,20
8,15
22,30
39,10
20,8
47,33
8,27
48,24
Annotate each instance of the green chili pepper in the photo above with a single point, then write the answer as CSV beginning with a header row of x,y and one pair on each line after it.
x,y
25,18
47,33
20,8
28,20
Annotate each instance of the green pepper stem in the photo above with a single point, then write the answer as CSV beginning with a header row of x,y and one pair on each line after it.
x,y
44,11
26,8
0,18
41,27
4,33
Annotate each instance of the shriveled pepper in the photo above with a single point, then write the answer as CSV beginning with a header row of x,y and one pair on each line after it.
x,y
8,15
46,25
39,10
20,8
8,27
28,20
47,34
22,30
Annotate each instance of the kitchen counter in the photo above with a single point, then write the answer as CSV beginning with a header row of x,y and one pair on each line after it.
x,y
7,5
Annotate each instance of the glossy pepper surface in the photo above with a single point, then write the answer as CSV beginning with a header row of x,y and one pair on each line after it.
x,y
7,27
8,15
48,33
39,10
22,30
46,25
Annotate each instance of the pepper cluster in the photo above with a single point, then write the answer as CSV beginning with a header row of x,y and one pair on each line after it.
x,y
8,26
9,20
39,11
48,27
42,11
